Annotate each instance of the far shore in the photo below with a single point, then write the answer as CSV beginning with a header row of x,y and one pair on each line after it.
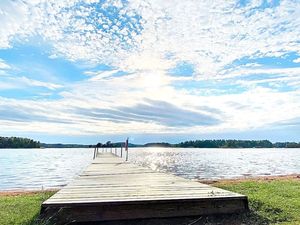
x,y
294,177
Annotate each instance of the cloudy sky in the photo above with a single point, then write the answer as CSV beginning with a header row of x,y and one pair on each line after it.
x,y
159,70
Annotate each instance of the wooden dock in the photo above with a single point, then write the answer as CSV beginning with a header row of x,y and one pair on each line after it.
x,y
113,189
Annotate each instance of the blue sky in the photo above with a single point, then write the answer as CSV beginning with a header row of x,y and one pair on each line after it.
x,y
88,71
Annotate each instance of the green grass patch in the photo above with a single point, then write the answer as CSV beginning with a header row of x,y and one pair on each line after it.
x,y
270,202
21,209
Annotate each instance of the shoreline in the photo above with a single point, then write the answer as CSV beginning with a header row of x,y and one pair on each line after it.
x,y
295,177
26,192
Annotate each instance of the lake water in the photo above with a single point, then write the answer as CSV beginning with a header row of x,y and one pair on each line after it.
x,y
52,168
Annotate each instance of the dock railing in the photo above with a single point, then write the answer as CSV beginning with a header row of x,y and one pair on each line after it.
x,y
115,152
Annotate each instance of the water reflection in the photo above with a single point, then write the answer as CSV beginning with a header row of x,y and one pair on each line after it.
x,y
219,163
48,168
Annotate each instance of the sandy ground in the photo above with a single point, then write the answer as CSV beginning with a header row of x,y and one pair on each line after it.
x,y
260,178
23,192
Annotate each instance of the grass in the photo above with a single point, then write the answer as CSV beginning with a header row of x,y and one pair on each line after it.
x,y
22,208
271,202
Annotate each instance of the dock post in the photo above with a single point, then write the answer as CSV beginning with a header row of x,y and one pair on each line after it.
x,y
126,149
94,153
127,155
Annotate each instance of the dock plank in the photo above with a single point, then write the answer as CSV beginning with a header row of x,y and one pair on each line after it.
x,y
112,189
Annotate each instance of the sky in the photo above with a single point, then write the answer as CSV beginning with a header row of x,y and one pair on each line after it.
x,y
87,71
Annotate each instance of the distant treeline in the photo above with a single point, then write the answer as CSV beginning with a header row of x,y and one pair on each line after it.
x,y
209,144
16,142
286,145
43,145
226,144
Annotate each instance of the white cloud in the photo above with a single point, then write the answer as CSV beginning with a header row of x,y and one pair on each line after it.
x,y
208,34
239,72
130,103
36,83
99,75
14,17
214,34
296,60
3,65
25,82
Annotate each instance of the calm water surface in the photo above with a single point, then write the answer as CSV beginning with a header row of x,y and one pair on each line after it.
x,y
51,168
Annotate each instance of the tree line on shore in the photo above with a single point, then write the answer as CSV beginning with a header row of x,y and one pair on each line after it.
x,y
17,142
222,143
236,144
